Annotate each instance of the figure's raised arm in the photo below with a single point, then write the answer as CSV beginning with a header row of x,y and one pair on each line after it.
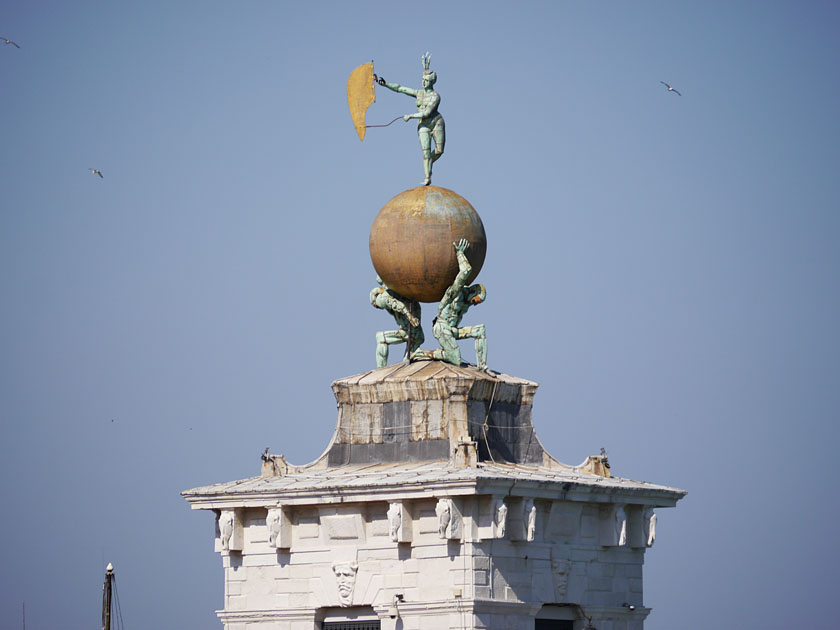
x,y
396,87
464,269
398,306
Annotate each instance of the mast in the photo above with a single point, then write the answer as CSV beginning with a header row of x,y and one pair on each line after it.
x,y
106,597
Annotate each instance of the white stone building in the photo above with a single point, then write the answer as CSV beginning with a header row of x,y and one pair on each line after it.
x,y
434,507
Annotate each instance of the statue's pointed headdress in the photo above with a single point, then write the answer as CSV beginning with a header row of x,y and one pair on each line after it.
x,y
427,60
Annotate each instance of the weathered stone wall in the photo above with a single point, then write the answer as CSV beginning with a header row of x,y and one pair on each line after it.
x,y
458,582
383,417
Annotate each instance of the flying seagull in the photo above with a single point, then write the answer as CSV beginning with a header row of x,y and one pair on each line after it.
x,y
670,89
96,172
9,41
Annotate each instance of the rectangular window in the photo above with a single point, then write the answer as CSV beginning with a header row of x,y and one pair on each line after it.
x,y
350,625
553,624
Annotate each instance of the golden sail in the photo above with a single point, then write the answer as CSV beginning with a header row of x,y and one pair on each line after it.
x,y
360,95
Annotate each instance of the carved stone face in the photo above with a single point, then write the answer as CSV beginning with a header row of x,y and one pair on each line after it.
x,y
345,575
394,521
501,511
429,79
560,569
273,522
530,516
444,514
226,528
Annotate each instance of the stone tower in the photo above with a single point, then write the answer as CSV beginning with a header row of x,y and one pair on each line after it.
x,y
435,506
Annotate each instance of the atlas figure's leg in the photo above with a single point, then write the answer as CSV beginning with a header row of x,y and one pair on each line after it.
x,y
437,354
426,146
439,133
447,337
385,339
476,332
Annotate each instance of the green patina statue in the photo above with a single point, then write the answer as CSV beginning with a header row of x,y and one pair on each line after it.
x,y
406,312
430,122
453,306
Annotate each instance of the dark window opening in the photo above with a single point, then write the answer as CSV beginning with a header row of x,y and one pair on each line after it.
x,y
553,624
350,625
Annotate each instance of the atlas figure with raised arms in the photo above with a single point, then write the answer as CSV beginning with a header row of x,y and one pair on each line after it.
x,y
453,306
406,312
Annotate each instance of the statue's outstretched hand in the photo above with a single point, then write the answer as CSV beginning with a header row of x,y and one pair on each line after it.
x,y
380,80
414,321
462,245
407,117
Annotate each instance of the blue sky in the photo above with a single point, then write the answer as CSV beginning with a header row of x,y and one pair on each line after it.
x,y
664,266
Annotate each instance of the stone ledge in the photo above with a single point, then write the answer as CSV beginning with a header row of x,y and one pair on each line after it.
x,y
425,380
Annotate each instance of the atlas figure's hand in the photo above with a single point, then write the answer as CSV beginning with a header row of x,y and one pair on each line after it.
x,y
414,321
380,80
407,117
462,245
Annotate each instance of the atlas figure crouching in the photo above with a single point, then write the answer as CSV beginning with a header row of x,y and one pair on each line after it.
x,y
453,306
406,312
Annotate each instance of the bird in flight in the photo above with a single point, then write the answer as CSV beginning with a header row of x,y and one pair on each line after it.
x,y
670,89
9,41
96,172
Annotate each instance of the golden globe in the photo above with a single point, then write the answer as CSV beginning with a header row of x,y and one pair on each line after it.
x,y
411,241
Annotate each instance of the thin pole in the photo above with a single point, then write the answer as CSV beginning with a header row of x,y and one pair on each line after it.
x,y
106,598
23,610
410,335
